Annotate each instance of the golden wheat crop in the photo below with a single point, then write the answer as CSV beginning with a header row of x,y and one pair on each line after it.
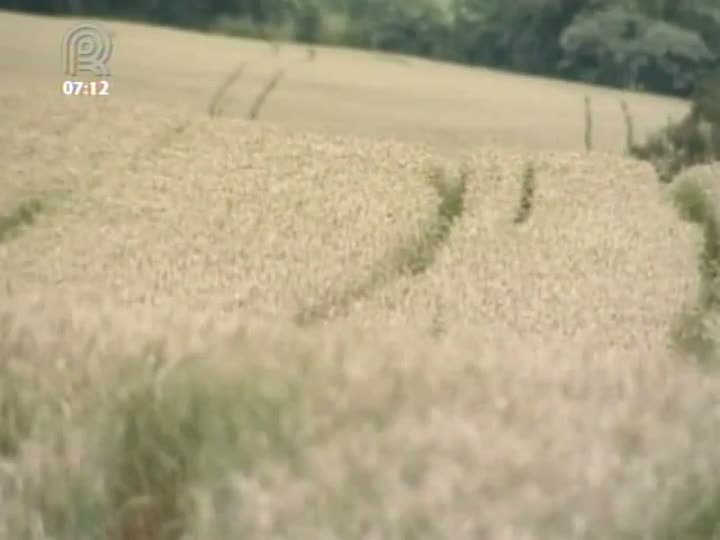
x,y
229,214
146,239
389,435
601,252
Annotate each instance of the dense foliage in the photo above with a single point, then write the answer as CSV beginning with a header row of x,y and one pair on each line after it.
x,y
658,45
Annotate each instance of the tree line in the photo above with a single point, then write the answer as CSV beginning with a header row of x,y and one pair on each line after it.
x,y
663,46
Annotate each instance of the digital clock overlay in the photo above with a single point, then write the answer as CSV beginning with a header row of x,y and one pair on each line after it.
x,y
87,48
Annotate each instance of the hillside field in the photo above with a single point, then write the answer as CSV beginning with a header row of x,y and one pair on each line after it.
x,y
342,91
399,302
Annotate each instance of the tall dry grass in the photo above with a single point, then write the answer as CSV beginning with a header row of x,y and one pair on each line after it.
x,y
160,424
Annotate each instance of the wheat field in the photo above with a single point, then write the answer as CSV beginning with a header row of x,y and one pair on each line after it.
x,y
401,302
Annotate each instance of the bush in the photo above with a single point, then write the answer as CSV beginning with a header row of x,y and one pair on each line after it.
x,y
694,197
678,146
693,140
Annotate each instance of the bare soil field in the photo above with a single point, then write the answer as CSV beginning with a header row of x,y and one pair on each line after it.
x,y
400,303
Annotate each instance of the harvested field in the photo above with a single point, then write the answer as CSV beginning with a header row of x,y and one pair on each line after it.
x,y
381,309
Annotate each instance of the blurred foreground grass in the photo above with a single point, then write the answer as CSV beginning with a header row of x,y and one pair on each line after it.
x,y
128,424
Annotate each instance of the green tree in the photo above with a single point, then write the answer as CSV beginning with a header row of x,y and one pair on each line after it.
x,y
307,20
702,16
521,35
629,49
410,26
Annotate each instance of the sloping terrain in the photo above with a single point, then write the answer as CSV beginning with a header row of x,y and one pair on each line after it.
x,y
223,214
239,216
598,251
309,325
340,91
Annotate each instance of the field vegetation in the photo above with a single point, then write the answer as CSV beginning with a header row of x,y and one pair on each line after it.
x,y
261,294
340,91
655,45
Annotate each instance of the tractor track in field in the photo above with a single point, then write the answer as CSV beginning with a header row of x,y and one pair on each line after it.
x,y
413,258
